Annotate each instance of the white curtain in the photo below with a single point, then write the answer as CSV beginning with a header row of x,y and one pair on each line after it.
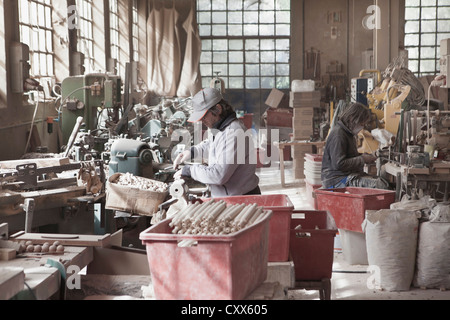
x,y
174,48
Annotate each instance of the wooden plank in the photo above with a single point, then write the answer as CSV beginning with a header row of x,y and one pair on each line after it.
x,y
67,239
44,281
11,282
41,163
119,261
7,254
441,164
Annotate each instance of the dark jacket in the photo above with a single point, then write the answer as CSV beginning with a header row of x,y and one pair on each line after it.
x,y
341,157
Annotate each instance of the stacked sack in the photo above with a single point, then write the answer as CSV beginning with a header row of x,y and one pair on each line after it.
x,y
409,244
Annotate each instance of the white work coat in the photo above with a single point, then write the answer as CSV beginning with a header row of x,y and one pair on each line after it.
x,y
231,161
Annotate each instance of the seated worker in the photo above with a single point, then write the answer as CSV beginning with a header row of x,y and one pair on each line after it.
x,y
229,171
342,164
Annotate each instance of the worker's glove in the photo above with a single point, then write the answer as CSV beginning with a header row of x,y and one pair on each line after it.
x,y
368,158
182,157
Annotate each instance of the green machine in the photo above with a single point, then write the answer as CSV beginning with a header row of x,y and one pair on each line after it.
x,y
131,156
92,96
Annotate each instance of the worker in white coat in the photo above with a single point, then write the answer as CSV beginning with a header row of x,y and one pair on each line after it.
x,y
230,153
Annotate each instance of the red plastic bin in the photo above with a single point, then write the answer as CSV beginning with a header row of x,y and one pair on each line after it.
x,y
348,205
279,118
216,268
312,245
281,207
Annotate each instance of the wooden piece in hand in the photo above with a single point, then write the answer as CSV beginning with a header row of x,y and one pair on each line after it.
x,y
67,239
7,254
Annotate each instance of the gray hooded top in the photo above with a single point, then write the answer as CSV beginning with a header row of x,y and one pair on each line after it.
x,y
341,157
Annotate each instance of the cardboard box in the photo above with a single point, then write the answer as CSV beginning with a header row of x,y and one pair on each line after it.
x,y
302,123
307,103
309,95
305,112
298,163
277,99
303,133
302,150
304,99
299,173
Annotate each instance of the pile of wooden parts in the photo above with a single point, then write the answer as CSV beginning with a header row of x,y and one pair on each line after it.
x,y
29,246
128,179
216,218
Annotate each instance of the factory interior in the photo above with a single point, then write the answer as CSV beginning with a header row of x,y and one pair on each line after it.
x,y
96,105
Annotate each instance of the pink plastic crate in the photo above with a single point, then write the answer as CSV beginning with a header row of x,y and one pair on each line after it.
x,y
312,245
310,197
348,205
279,225
226,267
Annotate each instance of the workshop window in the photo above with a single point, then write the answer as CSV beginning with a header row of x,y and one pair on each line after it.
x,y
135,31
35,26
114,30
427,22
247,41
85,33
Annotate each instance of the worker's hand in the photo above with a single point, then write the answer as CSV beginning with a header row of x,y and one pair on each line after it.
x,y
368,158
177,175
182,157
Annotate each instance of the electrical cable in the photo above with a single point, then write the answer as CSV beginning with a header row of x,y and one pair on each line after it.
x,y
29,289
348,271
32,121
78,89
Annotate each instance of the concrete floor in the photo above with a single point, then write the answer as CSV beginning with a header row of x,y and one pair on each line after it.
x,y
348,282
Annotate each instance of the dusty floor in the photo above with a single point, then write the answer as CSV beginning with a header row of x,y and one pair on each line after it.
x,y
348,282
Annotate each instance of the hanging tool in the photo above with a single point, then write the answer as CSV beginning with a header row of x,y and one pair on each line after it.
x,y
28,207
72,137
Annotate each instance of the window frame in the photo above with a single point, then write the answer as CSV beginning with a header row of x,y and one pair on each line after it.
x,y
135,31
114,33
85,33
211,57
416,52
36,51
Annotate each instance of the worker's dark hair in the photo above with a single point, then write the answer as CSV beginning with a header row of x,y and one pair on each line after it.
x,y
355,114
227,109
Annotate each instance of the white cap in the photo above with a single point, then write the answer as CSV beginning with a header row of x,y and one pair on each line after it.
x,y
203,101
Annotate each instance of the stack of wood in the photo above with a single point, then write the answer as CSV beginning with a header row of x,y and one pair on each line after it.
x,y
216,218
305,105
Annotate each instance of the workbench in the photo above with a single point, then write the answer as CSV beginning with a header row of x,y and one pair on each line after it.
x,y
281,144
41,281
57,193
69,208
404,174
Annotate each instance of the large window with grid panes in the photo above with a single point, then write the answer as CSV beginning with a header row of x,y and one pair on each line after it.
x,y
427,22
245,42
114,31
135,31
35,27
85,32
